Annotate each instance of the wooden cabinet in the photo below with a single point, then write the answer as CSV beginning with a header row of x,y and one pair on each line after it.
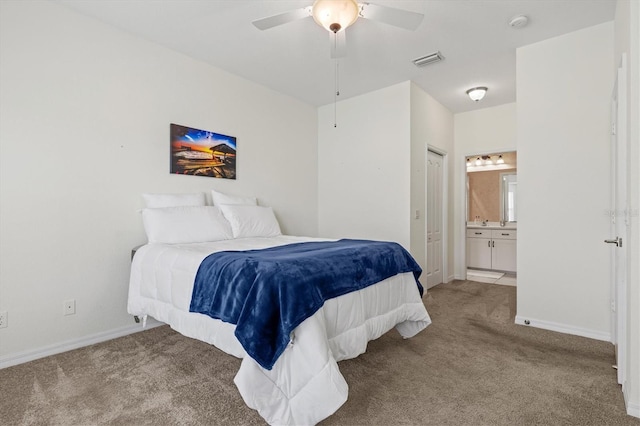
x,y
491,249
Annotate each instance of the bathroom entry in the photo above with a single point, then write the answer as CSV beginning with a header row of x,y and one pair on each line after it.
x,y
491,221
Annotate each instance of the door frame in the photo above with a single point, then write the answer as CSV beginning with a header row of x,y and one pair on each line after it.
x,y
464,194
445,209
620,221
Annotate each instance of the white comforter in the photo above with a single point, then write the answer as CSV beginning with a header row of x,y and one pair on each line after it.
x,y
305,385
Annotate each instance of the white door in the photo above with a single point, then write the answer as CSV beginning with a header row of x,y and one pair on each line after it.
x,y
618,237
434,218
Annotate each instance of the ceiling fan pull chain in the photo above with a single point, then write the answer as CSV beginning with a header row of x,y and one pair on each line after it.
x,y
337,77
335,95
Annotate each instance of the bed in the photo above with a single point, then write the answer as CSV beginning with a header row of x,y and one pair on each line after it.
x,y
304,384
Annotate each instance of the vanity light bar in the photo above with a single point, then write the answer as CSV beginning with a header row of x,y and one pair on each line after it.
x,y
486,160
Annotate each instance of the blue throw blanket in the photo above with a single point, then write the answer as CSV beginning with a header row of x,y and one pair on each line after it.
x,y
269,292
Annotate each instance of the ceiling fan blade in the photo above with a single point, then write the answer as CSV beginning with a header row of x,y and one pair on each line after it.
x,y
338,44
389,15
282,18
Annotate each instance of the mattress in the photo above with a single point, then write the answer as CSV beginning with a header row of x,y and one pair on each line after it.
x,y
305,385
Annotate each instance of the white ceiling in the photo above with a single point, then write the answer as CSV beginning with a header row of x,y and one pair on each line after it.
x,y
473,35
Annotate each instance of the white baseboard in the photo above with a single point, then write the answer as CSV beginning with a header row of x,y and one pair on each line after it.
x,y
564,328
633,409
33,354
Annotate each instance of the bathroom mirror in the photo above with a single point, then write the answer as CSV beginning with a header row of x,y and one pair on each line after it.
x,y
508,189
492,183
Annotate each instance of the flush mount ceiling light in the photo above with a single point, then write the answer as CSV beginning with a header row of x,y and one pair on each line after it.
x,y
335,15
477,93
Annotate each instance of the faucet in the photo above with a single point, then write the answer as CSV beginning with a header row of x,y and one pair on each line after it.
x,y
484,222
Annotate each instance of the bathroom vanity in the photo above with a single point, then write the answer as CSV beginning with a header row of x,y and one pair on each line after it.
x,y
492,247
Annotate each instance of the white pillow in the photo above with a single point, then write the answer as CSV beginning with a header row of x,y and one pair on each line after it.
x,y
220,199
185,224
156,201
251,221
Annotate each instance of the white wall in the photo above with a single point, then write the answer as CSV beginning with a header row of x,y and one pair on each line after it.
x,y
85,112
482,131
431,126
364,167
564,87
627,40
372,165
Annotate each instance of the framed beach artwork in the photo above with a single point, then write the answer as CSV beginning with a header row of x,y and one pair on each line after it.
x,y
202,153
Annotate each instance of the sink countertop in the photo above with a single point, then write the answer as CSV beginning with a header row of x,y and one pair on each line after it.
x,y
492,225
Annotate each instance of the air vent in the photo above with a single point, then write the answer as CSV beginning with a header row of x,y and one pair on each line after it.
x,y
429,59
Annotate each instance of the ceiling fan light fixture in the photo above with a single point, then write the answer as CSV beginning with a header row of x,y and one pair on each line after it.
x,y
477,93
335,15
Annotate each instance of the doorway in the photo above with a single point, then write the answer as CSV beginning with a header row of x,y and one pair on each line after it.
x,y
490,223
435,218
620,223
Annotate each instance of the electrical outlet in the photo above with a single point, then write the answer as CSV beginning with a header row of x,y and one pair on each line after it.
x,y
4,319
69,307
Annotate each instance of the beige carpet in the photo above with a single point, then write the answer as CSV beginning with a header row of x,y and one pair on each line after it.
x,y
472,366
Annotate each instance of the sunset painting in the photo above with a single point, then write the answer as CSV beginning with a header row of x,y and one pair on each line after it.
x,y
202,153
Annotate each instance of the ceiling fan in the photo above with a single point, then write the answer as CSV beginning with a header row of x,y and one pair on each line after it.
x,y
337,15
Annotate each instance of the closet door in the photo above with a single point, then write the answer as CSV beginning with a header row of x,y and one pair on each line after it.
x,y
434,218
